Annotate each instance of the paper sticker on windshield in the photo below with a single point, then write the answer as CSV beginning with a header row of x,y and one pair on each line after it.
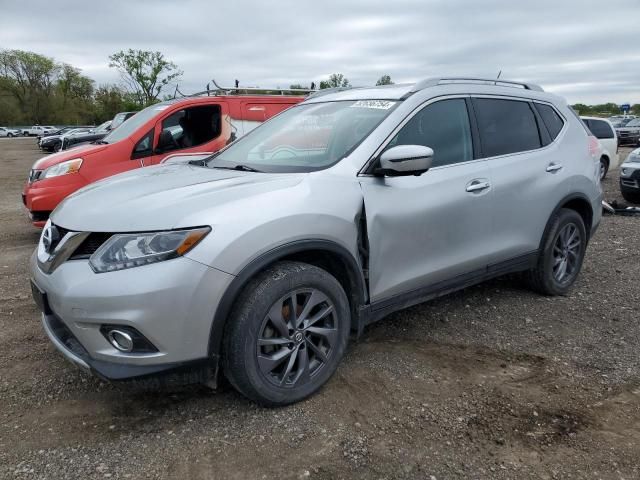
x,y
379,104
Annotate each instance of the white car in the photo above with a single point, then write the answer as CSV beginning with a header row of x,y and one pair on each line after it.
x,y
603,130
8,132
38,130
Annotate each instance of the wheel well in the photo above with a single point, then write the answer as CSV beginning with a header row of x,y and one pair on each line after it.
x,y
606,158
583,208
335,265
323,254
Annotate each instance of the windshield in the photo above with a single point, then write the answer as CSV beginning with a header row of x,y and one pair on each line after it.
x,y
305,138
133,123
103,126
634,123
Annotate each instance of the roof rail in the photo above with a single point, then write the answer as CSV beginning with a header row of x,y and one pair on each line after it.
x,y
432,82
327,91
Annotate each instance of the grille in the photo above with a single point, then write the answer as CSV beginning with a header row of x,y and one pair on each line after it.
x,y
92,243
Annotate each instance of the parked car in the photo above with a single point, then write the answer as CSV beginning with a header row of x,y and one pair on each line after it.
x,y
332,215
603,130
630,177
629,134
9,132
206,123
53,143
37,130
96,135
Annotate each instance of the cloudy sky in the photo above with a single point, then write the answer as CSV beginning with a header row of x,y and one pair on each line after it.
x,y
585,50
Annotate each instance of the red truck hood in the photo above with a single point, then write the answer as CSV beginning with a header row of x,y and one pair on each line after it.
x,y
65,155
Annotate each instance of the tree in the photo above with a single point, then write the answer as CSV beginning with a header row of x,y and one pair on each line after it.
x,y
144,73
29,78
335,80
296,86
384,80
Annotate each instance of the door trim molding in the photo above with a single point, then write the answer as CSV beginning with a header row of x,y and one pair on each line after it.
x,y
381,308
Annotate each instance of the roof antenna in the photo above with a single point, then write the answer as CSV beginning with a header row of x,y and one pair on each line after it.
x,y
498,77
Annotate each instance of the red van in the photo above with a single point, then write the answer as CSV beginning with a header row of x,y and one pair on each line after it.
x,y
188,125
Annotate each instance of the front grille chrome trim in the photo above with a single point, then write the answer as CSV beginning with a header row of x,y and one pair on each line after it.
x,y
63,251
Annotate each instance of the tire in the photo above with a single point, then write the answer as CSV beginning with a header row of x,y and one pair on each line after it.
x,y
546,276
10,135
56,147
604,167
630,195
264,355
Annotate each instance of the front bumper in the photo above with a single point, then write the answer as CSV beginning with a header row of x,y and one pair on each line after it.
x,y
171,303
43,196
630,176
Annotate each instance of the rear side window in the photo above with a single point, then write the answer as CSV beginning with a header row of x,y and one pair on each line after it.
x,y
442,126
506,126
600,129
551,119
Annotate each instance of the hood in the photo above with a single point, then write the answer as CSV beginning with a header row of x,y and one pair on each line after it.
x,y
65,155
162,197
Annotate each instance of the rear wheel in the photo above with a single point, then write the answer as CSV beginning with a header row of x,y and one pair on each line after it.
x,y
286,334
604,167
561,258
10,135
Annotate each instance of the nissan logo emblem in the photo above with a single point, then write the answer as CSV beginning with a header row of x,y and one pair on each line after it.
x,y
50,238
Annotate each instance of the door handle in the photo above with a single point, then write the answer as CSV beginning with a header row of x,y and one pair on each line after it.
x,y
476,186
554,167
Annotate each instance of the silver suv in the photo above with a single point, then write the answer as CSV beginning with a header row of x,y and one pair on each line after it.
x,y
258,261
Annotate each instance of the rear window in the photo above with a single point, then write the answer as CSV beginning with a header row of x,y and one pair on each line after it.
x,y
551,119
600,129
506,126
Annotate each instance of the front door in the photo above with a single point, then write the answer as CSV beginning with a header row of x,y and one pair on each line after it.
x,y
194,129
427,230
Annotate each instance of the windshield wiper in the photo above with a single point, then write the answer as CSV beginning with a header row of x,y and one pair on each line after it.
x,y
240,167
101,142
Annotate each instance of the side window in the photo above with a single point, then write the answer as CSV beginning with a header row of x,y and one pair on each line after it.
x,y
193,126
551,119
143,147
601,129
444,127
506,126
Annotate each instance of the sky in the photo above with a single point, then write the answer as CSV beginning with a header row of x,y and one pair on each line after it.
x,y
587,51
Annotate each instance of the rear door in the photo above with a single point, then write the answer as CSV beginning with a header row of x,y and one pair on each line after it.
x,y
435,228
529,178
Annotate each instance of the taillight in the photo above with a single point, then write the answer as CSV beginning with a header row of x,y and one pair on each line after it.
x,y
594,147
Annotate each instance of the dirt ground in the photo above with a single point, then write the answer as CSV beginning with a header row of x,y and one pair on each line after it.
x,y
490,382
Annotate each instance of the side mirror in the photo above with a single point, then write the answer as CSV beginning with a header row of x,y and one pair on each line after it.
x,y
405,160
165,142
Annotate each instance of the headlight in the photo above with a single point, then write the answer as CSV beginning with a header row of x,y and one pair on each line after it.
x,y
633,158
70,166
136,249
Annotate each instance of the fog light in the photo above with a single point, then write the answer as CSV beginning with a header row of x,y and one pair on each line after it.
x,y
127,339
120,340
624,171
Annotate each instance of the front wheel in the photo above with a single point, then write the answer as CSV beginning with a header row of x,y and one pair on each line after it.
x,y
57,146
10,135
631,195
563,250
286,334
